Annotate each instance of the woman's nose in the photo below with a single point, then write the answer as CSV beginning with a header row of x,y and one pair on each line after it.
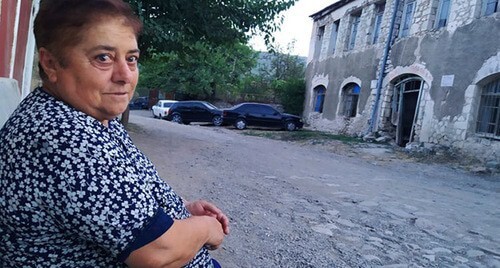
x,y
122,72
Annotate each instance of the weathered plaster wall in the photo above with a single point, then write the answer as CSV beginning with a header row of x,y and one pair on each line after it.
x,y
339,71
460,54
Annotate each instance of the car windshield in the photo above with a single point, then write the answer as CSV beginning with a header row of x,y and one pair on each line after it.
x,y
167,104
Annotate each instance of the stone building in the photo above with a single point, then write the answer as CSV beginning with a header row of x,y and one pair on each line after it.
x,y
422,72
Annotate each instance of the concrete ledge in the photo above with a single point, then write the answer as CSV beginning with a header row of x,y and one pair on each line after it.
x,y
9,98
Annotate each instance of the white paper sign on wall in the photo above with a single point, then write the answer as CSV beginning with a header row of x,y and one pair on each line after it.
x,y
447,80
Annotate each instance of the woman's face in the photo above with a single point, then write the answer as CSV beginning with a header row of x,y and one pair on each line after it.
x,y
100,73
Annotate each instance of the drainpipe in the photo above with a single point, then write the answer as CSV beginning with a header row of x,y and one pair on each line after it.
x,y
388,45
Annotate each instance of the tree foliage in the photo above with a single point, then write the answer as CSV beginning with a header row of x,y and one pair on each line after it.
x,y
174,24
201,71
185,44
195,47
281,77
291,93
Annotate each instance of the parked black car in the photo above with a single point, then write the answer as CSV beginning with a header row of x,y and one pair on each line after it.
x,y
139,103
185,112
260,115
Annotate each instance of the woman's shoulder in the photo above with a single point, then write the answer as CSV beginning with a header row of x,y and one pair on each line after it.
x,y
41,117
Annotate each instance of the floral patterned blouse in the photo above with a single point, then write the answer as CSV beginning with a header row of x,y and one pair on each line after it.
x,y
74,193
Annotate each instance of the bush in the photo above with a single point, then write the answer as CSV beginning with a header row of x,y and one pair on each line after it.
x,y
291,95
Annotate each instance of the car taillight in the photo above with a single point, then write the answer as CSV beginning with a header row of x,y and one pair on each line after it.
x,y
224,113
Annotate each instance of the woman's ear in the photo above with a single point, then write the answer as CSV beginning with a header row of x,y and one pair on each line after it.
x,y
49,64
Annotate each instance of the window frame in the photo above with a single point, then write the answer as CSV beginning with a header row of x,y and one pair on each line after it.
x,y
490,93
439,14
377,24
350,95
334,35
319,96
319,41
355,21
321,32
407,18
486,3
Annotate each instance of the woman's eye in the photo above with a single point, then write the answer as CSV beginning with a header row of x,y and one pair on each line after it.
x,y
133,59
103,58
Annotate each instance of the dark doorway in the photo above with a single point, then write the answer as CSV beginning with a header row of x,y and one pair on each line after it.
x,y
407,93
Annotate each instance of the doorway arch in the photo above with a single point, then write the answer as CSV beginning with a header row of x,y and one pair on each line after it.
x,y
405,107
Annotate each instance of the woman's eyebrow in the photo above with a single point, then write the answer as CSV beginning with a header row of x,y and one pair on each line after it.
x,y
103,47
134,51
110,48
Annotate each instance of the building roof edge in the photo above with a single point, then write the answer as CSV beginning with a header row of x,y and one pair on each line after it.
x,y
325,11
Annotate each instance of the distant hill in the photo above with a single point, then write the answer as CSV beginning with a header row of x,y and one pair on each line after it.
x,y
264,61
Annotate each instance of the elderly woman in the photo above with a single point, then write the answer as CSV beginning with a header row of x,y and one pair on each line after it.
x,y
74,190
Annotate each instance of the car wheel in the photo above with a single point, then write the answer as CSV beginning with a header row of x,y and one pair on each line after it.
x,y
217,120
177,118
240,123
290,126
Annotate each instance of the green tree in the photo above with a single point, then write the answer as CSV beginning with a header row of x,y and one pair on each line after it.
x,y
291,93
188,27
279,78
201,71
174,24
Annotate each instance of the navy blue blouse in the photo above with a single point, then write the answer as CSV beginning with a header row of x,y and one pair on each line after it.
x,y
75,193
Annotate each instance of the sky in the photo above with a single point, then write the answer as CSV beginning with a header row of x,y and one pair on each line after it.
x,y
297,25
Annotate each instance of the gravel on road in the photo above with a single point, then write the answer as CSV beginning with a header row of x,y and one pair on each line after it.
x,y
300,205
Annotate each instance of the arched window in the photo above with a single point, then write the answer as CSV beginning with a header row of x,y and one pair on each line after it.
x,y
488,120
350,96
319,93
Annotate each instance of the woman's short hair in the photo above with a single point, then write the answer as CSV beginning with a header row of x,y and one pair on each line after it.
x,y
59,23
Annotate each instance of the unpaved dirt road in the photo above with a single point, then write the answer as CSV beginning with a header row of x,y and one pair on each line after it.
x,y
293,205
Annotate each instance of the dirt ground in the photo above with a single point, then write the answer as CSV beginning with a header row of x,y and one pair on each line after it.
x,y
327,205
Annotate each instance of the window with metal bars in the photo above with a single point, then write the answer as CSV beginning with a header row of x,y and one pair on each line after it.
x,y
488,121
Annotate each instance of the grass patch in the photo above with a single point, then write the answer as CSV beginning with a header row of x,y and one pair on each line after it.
x,y
301,135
